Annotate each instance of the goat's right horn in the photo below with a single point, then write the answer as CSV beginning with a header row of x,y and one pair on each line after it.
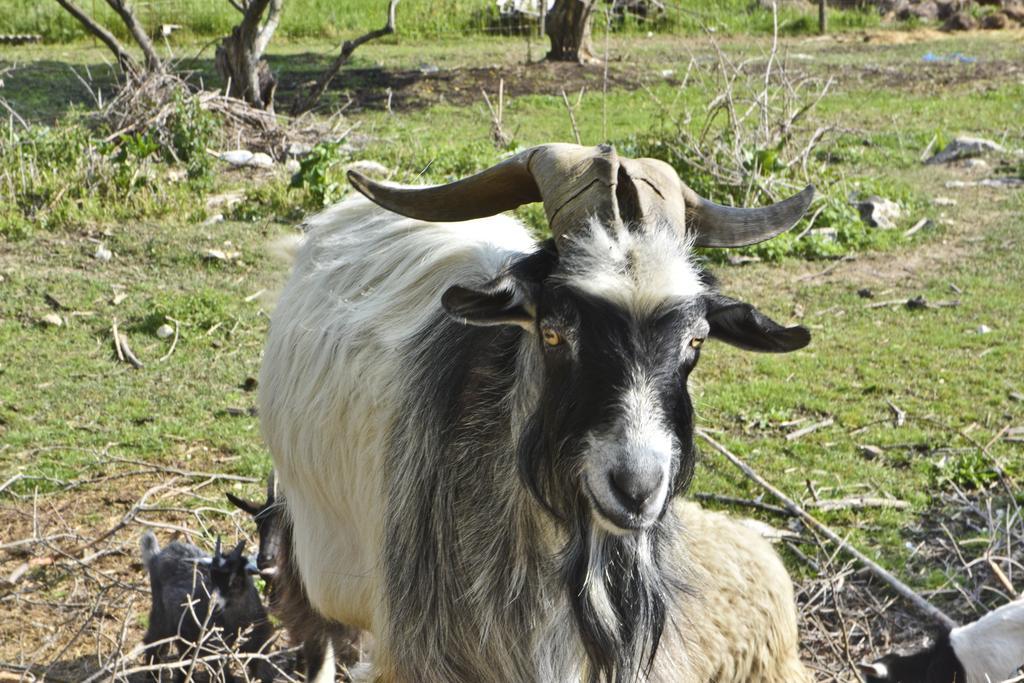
x,y
574,182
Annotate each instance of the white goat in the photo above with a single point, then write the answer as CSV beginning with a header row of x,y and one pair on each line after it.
x,y
480,438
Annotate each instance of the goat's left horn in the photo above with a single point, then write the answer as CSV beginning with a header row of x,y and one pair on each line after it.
x,y
715,225
573,181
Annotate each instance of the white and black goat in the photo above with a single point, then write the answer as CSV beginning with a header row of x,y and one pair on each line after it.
x,y
988,650
481,438
322,641
204,601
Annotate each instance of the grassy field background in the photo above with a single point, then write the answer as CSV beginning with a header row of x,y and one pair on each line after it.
x,y
70,412
416,18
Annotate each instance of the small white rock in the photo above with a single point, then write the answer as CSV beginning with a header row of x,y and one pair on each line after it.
x,y
236,157
974,165
292,165
103,254
984,329
215,255
215,218
944,201
827,234
879,212
164,331
962,147
367,167
52,320
261,160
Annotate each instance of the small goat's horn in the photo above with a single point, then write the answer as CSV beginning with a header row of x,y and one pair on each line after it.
x,y
271,487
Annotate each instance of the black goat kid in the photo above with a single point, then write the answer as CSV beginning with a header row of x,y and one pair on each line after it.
x,y
205,602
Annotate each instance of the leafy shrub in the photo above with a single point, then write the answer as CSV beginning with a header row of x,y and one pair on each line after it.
x,y
192,130
315,175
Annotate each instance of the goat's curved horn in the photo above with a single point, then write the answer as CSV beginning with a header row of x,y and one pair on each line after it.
x,y
577,183
715,225
573,181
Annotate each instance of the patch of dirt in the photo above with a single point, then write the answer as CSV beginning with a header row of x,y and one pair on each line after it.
x,y
412,89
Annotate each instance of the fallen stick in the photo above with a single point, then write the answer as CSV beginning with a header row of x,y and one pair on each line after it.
x,y
804,431
903,589
124,352
1003,579
858,503
732,500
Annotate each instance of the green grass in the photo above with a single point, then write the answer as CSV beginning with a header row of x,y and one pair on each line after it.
x,y
416,18
64,396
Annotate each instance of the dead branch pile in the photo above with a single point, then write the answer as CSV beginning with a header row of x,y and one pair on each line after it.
x,y
73,590
975,540
146,104
750,144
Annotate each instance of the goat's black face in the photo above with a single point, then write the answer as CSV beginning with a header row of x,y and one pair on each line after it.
x,y
615,417
619,329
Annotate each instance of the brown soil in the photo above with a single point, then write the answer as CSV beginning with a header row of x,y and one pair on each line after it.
x,y
462,86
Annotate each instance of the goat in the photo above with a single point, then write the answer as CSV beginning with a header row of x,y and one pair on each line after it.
x,y
743,613
988,650
322,641
194,593
480,438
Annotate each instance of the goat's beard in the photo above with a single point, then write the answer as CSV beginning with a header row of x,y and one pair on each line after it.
x,y
616,585
620,595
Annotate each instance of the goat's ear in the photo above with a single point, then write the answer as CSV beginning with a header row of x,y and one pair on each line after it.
x,y
506,300
743,326
242,504
874,672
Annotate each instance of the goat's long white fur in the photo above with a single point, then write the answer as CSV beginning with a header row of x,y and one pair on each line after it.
x,y
318,359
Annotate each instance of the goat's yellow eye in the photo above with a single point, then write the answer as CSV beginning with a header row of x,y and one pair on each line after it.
x,y
697,342
551,338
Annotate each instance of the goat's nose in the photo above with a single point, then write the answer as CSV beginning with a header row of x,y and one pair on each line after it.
x,y
637,487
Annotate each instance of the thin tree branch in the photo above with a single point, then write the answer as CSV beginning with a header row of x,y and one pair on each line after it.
x,y
153,62
347,48
267,31
903,589
124,60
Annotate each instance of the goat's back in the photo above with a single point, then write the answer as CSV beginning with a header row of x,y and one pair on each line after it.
x,y
740,624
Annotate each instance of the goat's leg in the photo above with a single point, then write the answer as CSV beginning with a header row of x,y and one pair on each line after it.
x,y
319,655
154,653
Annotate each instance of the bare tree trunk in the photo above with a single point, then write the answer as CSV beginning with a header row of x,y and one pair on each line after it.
x,y
568,27
153,62
239,58
124,60
822,18
347,48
